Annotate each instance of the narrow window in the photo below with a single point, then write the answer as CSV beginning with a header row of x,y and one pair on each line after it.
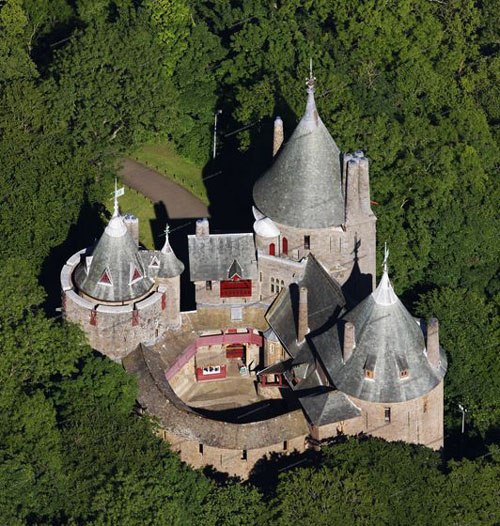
x,y
307,242
208,285
260,277
425,406
200,449
285,445
285,245
272,249
387,414
244,454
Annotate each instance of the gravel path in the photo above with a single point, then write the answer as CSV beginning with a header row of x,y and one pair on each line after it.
x,y
179,202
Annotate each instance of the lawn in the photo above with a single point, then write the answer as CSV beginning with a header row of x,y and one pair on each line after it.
x,y
163,158
135,203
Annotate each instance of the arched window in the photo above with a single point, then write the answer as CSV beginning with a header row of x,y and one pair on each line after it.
x,y
272,249
285,245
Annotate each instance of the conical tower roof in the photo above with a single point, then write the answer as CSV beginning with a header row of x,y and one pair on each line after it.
x,y
163,263
114,271
389,361
303,186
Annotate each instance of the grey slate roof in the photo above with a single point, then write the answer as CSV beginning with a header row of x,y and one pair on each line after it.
x,y
388,340
213,257
325,302
303,186
328,407
169,265
116,253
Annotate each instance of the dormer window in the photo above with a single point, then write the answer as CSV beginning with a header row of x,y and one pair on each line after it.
x,y
135,274
155,262
402,366
404,373
105,278
371,360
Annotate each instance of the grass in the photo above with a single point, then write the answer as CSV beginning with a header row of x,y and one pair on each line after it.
x,y
162,157
135,203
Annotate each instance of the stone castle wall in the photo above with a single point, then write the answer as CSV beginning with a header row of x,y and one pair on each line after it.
x,y
417,421
235,462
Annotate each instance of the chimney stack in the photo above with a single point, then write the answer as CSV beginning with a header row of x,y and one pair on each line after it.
x,y
278,135
433,342
202,227
352,190
349,340
303,325
364,186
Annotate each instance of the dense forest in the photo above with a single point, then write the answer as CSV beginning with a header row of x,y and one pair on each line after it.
x,y
414,83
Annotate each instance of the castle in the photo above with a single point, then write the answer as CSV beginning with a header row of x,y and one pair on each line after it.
x,y
291,342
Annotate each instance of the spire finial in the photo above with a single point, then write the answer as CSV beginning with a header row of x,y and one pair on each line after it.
x,y
116,209
386,257
311,81
166,246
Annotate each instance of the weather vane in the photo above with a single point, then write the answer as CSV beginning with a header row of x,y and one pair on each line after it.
x,y
116,194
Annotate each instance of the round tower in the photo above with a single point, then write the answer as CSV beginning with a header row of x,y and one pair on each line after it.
x,y
120,294
310,200
386,369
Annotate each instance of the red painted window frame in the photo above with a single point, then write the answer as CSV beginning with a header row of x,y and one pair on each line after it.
x,y
236,288
285,246
272,249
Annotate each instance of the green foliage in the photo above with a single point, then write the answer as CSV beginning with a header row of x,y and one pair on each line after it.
x,y
470,334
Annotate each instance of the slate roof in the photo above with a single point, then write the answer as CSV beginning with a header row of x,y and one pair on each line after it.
x,y
303,186
169,265
325,302
388,340
116,254
328,407
212,257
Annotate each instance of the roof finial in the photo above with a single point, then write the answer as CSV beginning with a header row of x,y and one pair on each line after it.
x,y
166,246
386,257
116,210
311,81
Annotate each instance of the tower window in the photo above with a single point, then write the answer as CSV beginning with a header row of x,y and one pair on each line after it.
x,y
208,285
244,455
307,242
387,414
370,374
200,449
285,445
285,245
272,249
105,278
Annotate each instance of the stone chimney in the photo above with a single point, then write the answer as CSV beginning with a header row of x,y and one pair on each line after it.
x,y
303,322
349,340
202,227
352,191
278,135
132,224
364,186
433,342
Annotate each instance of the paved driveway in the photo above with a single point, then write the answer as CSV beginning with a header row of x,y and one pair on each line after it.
x,y
179,202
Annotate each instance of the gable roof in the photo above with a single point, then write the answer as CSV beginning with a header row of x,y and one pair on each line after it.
x,y
212,257
302,188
